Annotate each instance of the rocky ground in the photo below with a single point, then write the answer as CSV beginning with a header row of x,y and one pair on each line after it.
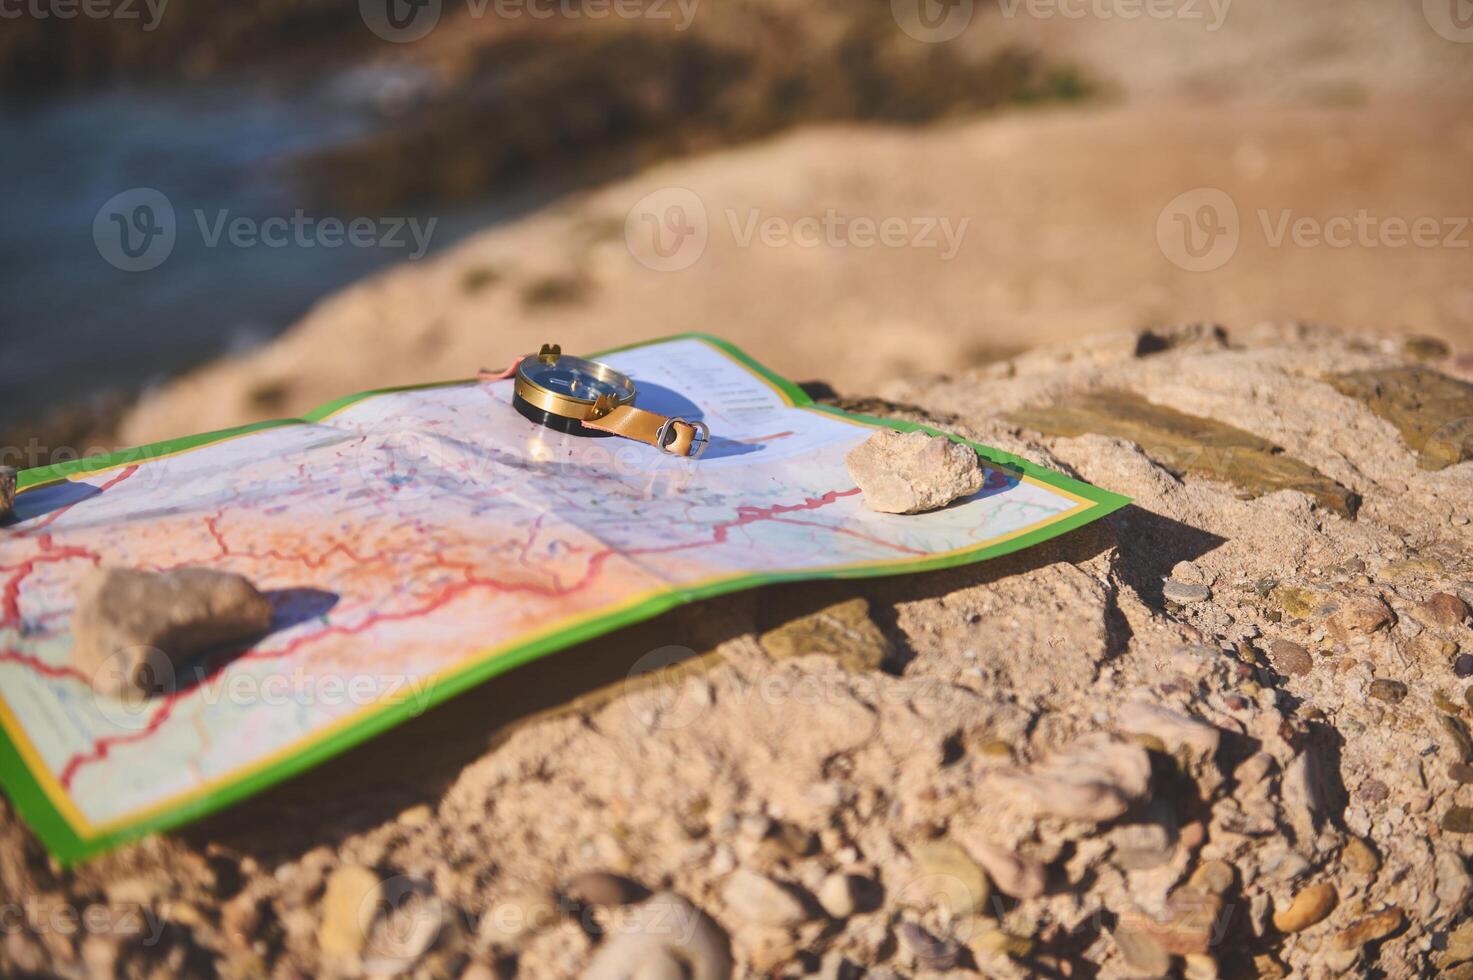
x,y
1224,732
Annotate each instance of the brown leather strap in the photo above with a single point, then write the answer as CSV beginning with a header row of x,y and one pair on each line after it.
x,y
636,423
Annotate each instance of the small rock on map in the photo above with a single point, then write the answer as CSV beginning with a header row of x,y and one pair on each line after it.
x,y
7,491
912,472
131,626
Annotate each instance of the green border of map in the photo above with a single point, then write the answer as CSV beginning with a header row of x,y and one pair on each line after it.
x,y
68,846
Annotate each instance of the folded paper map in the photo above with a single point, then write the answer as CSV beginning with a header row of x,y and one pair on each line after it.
x,y
415,542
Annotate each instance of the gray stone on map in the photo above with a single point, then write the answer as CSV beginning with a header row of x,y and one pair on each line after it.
x,y
912,472
7,491
132,630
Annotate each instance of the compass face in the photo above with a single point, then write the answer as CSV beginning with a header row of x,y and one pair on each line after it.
x,y
576,378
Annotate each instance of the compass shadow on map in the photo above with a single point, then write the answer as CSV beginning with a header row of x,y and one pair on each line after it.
x,y
669,402
40,501
290,607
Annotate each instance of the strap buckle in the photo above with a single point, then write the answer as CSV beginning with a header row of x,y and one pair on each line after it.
x,y
665,436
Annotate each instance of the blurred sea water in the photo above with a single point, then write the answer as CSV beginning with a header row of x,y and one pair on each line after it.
x,y
219,156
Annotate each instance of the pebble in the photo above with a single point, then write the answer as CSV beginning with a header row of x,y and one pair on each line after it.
x,y
477,970
133,631
1141,951
1094,780
760,900
519,914
930,952
1370,929
1358,615
838,895
1460,772
1188,924
1460,943
836,966
415,920
913,472
1200,966
1176,731
998,941
1444,609
699,947
240,917
949,874
1184,593
1457,732
1142,846
755,826
1215,877
1014,874
1255,769
1359,857
1290,658
603,889
1266,967
1392,692
100,956
1372,791
1458,820
1423,348
348,907
1295,602
419,815
1454,883
1309,907
723,861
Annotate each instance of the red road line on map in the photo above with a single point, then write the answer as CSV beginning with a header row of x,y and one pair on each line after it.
x,y
745,515
12,656
274,555
850,532
767,438
102,746
10,599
